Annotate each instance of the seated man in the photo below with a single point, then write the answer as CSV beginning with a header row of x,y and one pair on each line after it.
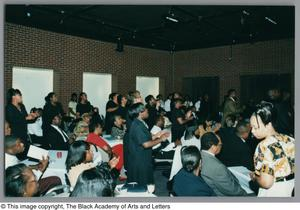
x,y
160,151
56,137
235,150
118,130
95,138
215,173
13,146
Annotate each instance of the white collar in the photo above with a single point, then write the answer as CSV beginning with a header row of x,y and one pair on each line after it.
x,y
232,99
64,135
208,152
243,139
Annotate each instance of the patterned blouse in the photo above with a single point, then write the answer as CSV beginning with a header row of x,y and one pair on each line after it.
x,y
275,156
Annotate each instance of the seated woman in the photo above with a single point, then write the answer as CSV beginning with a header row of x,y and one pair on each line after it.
x,y
82,128
95,182
187,181
206,124
274,158
80,158
20,181
191,137
118,130
95,138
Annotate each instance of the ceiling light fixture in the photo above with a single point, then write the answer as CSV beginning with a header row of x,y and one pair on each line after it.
x,y
172,19
270,20
28,14
246,13
120,45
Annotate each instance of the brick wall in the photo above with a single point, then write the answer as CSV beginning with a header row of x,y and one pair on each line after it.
x,y
70,56
270,57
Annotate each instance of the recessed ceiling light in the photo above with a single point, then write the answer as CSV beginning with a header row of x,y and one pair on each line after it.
x,y
62,12
28,14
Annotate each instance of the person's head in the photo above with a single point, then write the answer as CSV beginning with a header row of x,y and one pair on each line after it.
x,y
118,120
211,142
274,94
159,97
51,98
79,152
170,96
20,181
96,128
35,111
205,121
242,129
191,159
231,93
95,182
190,132
113,97
82,97
7,129
13,145
263,120
150,100
230,121
177,96
192,109
86,117
160,121
74,97
178,103
138,110
56,120
122,100
14,96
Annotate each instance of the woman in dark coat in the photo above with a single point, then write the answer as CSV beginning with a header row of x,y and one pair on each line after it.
x,y
16,114
51,108
140,168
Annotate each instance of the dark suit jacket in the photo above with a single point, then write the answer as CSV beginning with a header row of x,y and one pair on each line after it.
x,y
234,151
55,139
187,184
219,178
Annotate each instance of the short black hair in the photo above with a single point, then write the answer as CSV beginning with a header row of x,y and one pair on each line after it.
x,y
178,100
15,181
10,93
77,153
148,98
10,141
135,110
95,182
208,140
242,126
112,95
93,125
49,96
190,158
230,91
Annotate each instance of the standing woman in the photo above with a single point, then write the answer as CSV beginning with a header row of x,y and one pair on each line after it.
x,y
140,168
111,109
83,105
16,114
51,108
122,109
274,158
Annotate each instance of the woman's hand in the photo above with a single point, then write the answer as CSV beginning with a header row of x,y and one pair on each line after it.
x,y
113,162
43,164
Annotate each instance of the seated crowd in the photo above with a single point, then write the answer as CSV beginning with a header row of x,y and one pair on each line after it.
x,y
200,143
